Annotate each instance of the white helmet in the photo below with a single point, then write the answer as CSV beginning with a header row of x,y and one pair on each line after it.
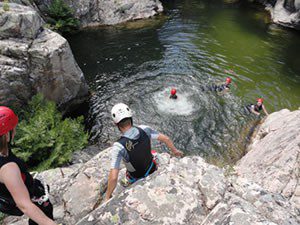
x,y
120,111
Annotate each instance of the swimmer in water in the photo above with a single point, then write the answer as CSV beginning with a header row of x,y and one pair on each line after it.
x,y
173,94
257,107
221,88
224,87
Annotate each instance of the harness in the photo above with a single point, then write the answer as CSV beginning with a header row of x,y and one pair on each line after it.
x,y
139,152
132,179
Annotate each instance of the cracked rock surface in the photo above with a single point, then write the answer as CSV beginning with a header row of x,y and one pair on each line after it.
x,y
263,190
273,160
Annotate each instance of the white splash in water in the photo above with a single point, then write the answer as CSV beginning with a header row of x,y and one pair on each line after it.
x,y
183,105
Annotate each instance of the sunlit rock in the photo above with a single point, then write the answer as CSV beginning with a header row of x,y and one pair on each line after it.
x,y
34,59
95,12
273,160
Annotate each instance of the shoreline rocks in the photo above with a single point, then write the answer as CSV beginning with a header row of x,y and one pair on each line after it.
x,y
273,158
283,12
101,12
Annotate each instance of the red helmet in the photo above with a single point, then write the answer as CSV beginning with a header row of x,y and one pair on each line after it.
x,y
8,120
228,80
261,100
173,91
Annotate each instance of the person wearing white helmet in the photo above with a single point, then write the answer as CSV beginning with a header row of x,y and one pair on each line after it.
x,y
134,147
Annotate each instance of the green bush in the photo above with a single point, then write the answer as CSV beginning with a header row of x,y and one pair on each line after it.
x,y
5,5
61,17
44,140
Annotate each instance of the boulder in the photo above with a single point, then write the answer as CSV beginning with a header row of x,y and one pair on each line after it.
x,y
54,71
34,59
273,158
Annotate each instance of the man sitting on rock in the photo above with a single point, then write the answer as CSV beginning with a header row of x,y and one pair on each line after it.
x,y
134,147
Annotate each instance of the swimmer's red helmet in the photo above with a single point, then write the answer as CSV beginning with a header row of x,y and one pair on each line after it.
x,y
261,100
228,80
173,91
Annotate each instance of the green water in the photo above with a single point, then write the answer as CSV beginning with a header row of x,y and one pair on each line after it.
x,y
189,47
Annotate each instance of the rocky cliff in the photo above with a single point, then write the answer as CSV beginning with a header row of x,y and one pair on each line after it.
x,y
104,12
264,189
34,59
274,157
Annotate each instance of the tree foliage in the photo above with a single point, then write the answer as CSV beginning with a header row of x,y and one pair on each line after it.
x,y
61,17
44,140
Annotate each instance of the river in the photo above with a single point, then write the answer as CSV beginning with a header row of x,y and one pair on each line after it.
x,y
190,47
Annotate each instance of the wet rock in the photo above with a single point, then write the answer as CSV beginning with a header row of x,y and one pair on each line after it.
x,y
34,59
273,160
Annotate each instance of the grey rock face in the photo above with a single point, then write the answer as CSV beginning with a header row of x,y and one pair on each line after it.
x,y
34,59
188,190
19,22
54,71
103,12
182,191
273,160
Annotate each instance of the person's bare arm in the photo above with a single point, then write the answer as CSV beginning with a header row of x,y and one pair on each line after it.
x,y
11,177
264,108
253,111
112,182
165,139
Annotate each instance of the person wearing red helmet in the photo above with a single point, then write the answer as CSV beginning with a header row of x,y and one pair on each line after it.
x,y
226,86
256,108
19,192
223,88
173,93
